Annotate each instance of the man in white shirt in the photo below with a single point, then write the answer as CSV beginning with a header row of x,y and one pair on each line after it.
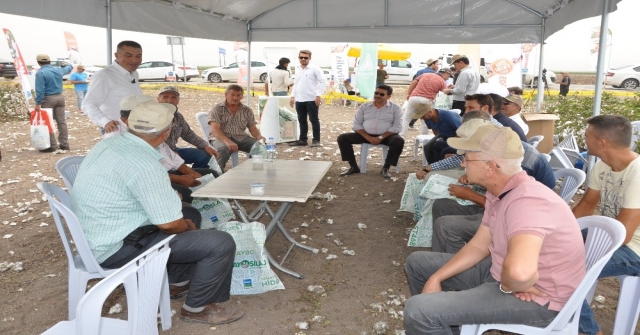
x,y
280,79
308,88
511,106
110,85
466,84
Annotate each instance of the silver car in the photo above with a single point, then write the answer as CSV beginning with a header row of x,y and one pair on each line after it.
x,y
158,70
230,72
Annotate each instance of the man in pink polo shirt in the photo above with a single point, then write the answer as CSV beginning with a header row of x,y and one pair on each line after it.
x,y
519,268
421,95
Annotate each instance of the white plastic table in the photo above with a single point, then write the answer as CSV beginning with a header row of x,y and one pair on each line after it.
x,y
286,181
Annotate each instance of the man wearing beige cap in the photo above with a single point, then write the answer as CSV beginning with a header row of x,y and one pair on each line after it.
x,y
520,266
49,95
122,187
466,84
511,106
80,82
432,67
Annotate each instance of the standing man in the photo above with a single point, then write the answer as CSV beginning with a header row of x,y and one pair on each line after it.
x,y
201,154
377,122
49,95
421,95
381,75
280,79
308,88
229,120
466,84
614,183
113,83
445,72
80,84
432,67
564,84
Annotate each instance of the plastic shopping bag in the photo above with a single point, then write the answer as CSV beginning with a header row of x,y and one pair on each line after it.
x,y
443,101
214,211
251,271
258,148
40,130
411,189
213,165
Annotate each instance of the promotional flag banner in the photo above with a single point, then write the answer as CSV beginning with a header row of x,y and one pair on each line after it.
x,y
367,70
241,52
339,63
502,64
595,47
530,53
72,47
18,62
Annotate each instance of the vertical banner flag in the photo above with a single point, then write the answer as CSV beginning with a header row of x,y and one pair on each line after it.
x,y
595,46
503,64
241,51
530,58
339,63
18,62
367,70
72,47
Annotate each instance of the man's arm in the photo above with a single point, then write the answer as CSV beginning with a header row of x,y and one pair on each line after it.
x,y
39,89
177,226
461,84
255,132
466,193
322,82
630,218
587,204
520,268
191,137
412,86
96,95
215,131
471,254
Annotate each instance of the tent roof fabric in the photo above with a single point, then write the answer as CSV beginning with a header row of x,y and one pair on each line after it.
x,y
397,21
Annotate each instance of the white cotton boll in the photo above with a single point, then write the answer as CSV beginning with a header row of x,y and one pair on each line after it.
x,y
117,308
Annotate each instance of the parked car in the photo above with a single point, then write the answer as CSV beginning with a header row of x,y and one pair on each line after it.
x,y
218,74
531,79
400,71
7,70
627,77
158,70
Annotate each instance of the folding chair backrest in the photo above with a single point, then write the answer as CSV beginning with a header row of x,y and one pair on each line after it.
x,y
569,143
68,168
535,140
203,121
635,134
559,159
148,271
572,179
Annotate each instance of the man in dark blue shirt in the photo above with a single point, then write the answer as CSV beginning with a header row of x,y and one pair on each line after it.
x,y
481,101
432,67
444,124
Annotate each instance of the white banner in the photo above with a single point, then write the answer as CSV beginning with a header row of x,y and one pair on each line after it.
x,y
503,64
530,56
595,47
339,63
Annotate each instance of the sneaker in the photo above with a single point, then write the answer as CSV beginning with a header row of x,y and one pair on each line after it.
x,y
213,314
63,147
298,144
176,292
315,144
385,173
49,149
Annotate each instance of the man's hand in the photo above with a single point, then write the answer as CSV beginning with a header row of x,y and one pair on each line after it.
x,y
211,151
374,140
187,181
193,173
37,108
111,126
447,91
431,286
529,294
232,146
420,174
463,179
292,101
190,225
318,101
461,192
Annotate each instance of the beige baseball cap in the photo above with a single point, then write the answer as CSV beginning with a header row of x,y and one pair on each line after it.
x,y
492,140
516,99
43,58
456,57
80,67
173,89
431,61
151,116
469,128
129,102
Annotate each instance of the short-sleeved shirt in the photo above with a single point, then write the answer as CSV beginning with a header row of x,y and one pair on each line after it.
x,y
525,206
377,121
232,125
380,76
77,76
618,190
429,84
121,186
448,123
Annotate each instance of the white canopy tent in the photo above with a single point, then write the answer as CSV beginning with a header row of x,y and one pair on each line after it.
x,y
398,21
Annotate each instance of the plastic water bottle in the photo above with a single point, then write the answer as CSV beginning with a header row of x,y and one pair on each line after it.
x,y
271,150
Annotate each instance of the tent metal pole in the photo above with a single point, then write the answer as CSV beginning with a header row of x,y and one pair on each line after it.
x,y
109,33
597,97
541,78
249,81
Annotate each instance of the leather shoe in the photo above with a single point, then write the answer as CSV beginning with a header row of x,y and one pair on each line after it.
x,y
298,144
176,292
49,149
385,173
352,170
213,314
66,148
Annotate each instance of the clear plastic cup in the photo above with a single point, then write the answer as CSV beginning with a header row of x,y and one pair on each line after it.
x,y
257,188
258,162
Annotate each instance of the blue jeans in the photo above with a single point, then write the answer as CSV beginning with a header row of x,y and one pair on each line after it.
x,y
198,157
623,262
80,95
280,94
304,108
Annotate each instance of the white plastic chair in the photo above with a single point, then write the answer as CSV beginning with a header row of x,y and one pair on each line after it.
x,y
535,140
421,140
364,152
605,235
68,168
83,265
546,156
572,179
569,143
203,121
559,159
628,306
635,133
146,272
575,157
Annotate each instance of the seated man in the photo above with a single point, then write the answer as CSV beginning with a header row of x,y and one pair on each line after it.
x,y
614,183
229,120
377,122
511,107
122,187
444,124
522,261
201,154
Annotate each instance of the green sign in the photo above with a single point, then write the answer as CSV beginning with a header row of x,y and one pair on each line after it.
x,y
367,70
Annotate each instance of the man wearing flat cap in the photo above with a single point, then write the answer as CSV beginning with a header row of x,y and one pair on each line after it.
x,y
49,95
511,106
519,268
122,187
466,84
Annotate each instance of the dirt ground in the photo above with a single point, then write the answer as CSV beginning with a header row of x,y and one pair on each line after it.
x,y
36,295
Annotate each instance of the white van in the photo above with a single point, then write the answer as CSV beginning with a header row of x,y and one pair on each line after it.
x,y
401,71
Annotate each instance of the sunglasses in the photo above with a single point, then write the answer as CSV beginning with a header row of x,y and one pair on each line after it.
x,y
380,94
303,57
506,102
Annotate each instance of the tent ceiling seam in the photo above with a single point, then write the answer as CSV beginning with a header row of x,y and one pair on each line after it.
x,y
527,8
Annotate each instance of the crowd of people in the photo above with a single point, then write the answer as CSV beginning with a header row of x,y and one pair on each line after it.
x,y
511,255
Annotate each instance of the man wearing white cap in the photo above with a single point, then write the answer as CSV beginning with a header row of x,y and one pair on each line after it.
x,y
466,84
122,190
432,67
520,266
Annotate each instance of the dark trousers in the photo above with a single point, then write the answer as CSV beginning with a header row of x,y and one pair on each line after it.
x,y
184,191
428,149
457,104
304,109
347,140
438,150
56,102
205,257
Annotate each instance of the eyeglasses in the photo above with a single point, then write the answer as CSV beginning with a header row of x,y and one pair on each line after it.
x,y
380,94
465,159
303,58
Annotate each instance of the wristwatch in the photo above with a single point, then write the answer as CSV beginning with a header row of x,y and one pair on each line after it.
x,y
503,291
380,137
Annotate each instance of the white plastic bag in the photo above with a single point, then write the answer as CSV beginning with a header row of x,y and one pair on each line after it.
x,y
251,271
213,165
258,148
411,189
214,211
39,133
443,101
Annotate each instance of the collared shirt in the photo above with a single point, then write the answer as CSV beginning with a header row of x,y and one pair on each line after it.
x,y
429,85
108,87
232,125
423,71
182,129
309,83
517,118
49,81
376,120
528,207
77,76
280,80
121,186
466,84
